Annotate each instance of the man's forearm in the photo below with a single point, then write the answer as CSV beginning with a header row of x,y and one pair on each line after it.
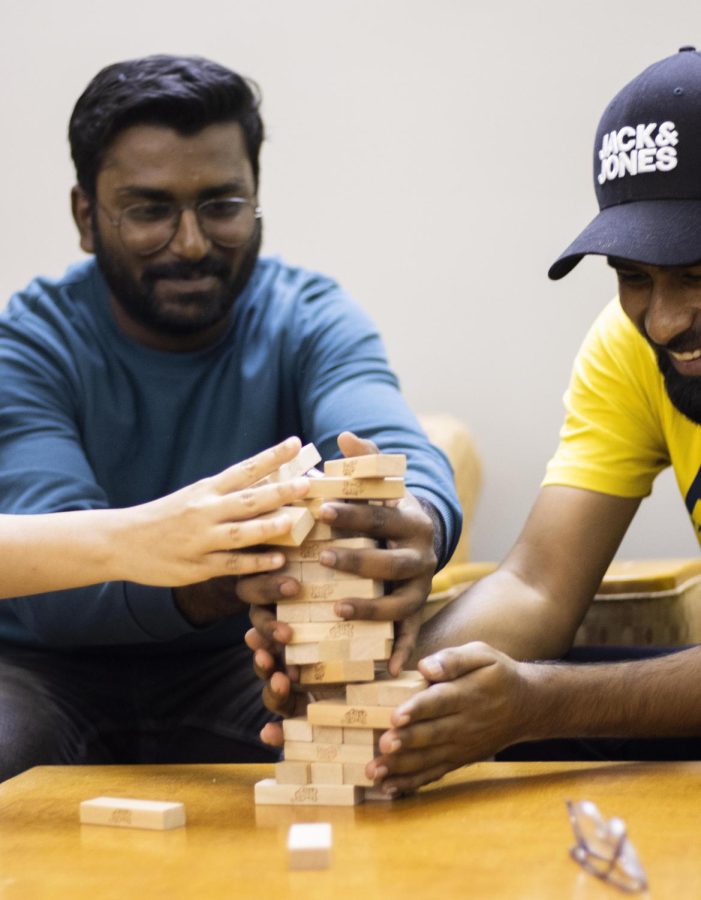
x,y
658,697
507,614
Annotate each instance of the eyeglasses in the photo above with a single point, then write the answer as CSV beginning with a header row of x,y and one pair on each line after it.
x,y
604,849
146,228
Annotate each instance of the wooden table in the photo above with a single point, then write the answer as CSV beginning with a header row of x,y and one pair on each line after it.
x,y
491,830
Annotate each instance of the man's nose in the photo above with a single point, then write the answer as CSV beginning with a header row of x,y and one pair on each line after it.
x,y
189,241
667,315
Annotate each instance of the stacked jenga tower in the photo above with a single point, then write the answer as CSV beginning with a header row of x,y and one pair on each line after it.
x,y
342,664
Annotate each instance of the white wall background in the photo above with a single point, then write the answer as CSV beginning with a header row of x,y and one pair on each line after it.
x,y
433,155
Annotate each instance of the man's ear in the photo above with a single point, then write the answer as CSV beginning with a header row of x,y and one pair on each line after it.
x,y
82,207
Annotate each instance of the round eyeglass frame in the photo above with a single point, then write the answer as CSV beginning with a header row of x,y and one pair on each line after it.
x,y
178,210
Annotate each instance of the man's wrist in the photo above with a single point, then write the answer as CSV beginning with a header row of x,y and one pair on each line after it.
x,y
438,528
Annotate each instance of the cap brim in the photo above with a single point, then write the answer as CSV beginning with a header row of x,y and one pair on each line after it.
x,y
655,232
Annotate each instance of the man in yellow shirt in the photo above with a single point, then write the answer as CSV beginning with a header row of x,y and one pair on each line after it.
x,y
633,408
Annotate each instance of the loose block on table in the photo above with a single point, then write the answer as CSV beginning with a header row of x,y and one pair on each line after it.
x,y
268,791
355,488
330,712
309,845
124,812
377,465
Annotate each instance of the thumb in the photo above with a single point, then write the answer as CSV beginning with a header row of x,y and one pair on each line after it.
x,y
453,662
351,445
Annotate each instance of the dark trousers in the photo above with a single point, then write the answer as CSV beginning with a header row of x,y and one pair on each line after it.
x,y
101,708
677,748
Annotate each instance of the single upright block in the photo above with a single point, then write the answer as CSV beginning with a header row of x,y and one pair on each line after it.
x,y
302,524
305,460
376,465
309,845
123,812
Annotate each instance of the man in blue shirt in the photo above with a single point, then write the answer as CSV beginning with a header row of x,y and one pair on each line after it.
x,y
172,353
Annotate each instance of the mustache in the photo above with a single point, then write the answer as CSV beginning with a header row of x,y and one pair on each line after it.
x,y
185,271
681,343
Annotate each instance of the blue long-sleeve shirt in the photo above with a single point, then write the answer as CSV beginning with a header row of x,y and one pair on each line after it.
x,y
91,419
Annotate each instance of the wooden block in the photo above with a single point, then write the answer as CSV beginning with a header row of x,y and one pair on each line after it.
x,y
327,773
309,551
306,751
310,632
355,488
370,648
354,773
342,670
123,812
327,734
302,523
308,612
329,712
316,571
386,691
291,569
363,737
292,772
376,794
321,651
305,460
297,728
309,845
268,791
313,506
323,532
295,612
377,465
323,612
364,588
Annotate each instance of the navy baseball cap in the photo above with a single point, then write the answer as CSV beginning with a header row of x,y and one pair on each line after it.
x,y
647,171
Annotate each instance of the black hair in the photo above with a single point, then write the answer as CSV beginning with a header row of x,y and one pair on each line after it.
x,y
186,93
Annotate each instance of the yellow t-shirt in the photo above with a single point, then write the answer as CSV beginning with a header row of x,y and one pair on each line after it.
x,y
621,429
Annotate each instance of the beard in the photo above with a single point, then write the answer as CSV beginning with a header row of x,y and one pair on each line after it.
x,y
186,312
683,390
